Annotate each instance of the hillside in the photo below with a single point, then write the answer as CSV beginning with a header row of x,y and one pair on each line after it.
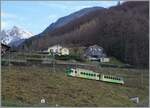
x,y
122,30
25,88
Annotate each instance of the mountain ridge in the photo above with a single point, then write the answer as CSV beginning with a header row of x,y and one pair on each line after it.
x,y
119,30
14,36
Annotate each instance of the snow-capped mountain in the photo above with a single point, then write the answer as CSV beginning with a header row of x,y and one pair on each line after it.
x,y
14,36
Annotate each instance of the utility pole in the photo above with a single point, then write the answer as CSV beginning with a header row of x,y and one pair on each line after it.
x,y
9,60
142,79
53,62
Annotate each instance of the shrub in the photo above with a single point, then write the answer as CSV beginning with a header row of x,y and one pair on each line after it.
x,y
69,57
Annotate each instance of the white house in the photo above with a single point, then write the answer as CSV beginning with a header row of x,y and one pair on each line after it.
x,y
55,49
64,51
58,50
104,59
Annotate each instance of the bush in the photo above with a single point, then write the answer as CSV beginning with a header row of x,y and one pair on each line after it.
x,y
30,55
109,65
34,60
69,57
4,63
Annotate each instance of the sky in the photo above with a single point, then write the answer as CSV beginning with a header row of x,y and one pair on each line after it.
x,y
36,16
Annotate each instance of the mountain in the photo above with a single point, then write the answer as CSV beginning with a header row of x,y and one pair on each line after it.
x,y
14,36
122,30
65,20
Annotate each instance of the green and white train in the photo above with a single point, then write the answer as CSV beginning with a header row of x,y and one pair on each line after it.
x,y
88,74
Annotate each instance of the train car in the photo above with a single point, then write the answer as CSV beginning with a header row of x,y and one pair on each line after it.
x,y
112,79
82,73
88,74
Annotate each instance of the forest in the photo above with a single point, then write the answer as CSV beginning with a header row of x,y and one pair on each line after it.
x,y
122,30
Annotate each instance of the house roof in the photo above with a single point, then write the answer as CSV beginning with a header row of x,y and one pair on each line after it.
x,y
95,46
55,46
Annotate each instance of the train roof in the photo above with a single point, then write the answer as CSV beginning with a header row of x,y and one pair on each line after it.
x,y
85,70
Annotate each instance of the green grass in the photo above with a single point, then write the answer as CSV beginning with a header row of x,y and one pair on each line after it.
x,y
113,60
25,86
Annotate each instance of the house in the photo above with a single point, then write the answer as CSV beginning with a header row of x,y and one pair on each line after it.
x,y
58,50
64,51
104,59
96,52
4,48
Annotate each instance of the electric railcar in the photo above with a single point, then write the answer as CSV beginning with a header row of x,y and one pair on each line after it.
x,y
88,74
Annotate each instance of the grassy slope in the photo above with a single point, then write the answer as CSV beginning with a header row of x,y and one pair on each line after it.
x,y
25,86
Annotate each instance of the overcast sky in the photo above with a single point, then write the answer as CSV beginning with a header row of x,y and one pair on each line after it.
x,y
35,16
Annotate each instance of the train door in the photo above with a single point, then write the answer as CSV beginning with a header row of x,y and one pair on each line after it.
x,y
76,72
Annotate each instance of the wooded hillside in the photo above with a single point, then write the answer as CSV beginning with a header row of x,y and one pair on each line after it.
x,y
123,31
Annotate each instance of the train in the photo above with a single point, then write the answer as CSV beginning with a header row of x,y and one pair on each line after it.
x,y
89,74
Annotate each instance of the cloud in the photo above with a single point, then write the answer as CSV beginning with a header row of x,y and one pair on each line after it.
x,y
8,15
3,25
63,4
8,20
